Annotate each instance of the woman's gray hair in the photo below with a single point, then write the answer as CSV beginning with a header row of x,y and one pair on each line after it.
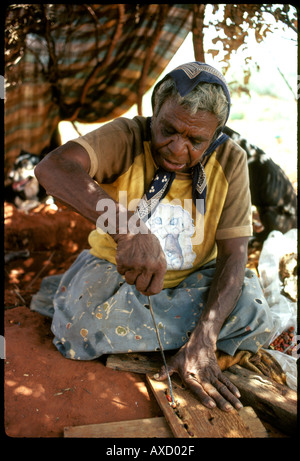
x,y
205,96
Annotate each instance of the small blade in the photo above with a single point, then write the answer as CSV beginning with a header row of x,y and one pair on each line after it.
x,y
162,353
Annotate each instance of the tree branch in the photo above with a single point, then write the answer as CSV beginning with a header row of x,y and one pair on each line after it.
x,y
197,28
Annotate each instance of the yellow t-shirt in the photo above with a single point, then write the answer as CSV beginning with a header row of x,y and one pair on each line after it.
x,y
122,164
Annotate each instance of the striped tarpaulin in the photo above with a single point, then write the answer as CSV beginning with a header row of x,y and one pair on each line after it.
x,y
85,63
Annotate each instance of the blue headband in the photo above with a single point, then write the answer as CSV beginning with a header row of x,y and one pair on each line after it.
x,y
187,77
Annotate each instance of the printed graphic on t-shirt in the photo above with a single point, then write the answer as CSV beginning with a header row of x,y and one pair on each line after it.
x,y
174,228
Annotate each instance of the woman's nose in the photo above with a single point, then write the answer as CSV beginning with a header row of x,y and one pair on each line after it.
x,y
180,149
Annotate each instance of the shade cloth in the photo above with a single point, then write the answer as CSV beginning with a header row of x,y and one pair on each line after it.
x,y
85,63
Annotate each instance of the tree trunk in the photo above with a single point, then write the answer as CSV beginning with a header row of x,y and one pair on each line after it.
x,y
198,36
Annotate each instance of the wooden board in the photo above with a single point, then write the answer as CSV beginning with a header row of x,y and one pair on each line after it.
x,y
153,427
274,403
255,425
191,419
136,362
150,428
139,428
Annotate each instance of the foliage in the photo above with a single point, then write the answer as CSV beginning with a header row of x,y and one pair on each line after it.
x,y
233,23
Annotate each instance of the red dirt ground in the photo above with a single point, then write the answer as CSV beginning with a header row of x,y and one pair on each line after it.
x,y
44,392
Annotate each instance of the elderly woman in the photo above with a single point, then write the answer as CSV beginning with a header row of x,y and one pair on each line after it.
x,y
169,195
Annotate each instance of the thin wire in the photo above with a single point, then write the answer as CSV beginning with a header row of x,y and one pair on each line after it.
x,y
162,352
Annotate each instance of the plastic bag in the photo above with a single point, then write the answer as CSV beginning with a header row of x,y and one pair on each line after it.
x,y
283,310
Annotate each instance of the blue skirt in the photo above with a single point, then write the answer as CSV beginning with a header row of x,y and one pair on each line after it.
x,y
95,312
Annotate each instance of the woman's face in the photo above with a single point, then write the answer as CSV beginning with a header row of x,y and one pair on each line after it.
x,y
179,139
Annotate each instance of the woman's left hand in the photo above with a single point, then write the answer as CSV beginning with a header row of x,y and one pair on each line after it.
x,y
200,372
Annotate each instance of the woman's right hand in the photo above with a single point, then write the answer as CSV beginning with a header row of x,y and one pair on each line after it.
x,y
140,258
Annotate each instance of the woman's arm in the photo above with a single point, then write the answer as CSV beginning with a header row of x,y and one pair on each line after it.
x,y
64,175
140,258
196,361
225,289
